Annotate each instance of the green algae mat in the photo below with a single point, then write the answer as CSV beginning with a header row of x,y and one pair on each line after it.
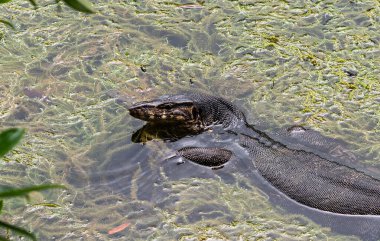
x,y
67,78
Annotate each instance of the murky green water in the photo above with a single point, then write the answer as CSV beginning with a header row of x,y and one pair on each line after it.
x,y
67,77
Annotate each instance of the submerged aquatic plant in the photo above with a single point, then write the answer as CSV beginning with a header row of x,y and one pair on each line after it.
x,y
78,5
8,139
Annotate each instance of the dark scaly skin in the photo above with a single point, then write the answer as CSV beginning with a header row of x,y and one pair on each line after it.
x,y
303,176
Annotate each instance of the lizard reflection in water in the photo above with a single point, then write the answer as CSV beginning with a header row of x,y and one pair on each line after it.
x,y
302,175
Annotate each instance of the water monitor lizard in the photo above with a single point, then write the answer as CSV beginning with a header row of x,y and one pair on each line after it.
x,y
302,175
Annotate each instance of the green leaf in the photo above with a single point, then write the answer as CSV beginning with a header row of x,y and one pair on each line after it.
x,y
9,24
14,192
1,205
18,230
2,238
80,5
9,138
4,1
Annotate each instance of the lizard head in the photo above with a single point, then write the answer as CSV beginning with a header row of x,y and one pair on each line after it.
x,y
176,109
193,109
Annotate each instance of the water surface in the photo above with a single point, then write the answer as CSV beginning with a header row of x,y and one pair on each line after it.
x,y
67,78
